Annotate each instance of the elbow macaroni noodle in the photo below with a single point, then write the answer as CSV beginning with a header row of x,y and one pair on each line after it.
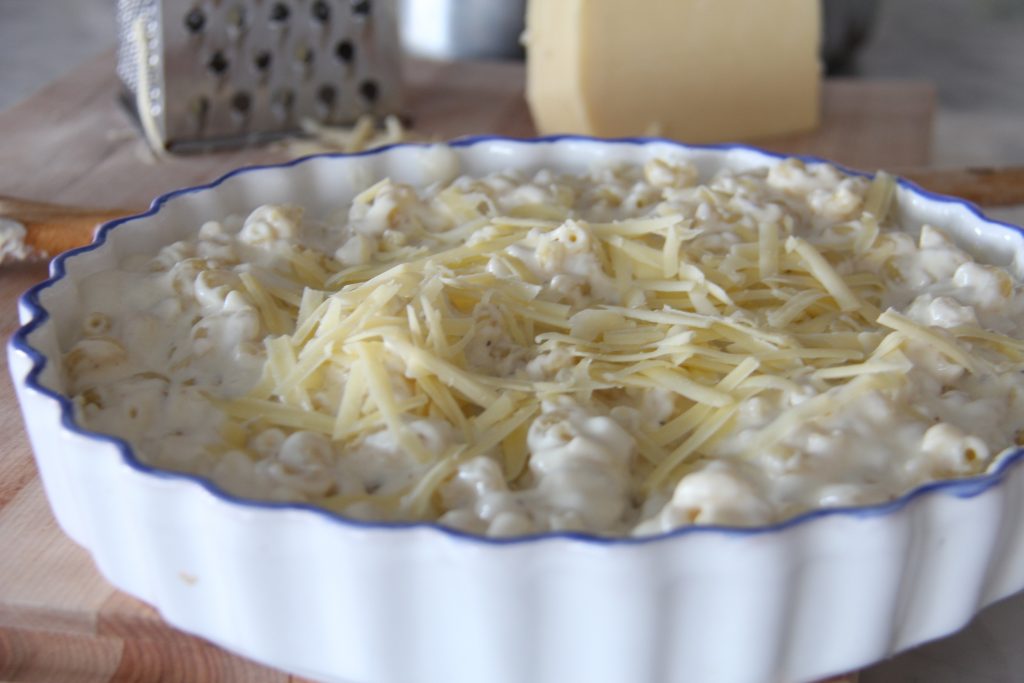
x,y
622,352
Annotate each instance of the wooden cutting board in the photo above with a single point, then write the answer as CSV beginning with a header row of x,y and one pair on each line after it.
x,y
72,143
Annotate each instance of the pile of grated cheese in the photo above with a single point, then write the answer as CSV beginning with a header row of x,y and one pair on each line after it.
x,y
711,330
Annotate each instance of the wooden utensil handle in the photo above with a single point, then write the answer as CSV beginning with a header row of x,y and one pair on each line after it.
x,y
52,228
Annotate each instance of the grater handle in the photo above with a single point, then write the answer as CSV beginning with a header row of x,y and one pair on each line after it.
x,y
52,228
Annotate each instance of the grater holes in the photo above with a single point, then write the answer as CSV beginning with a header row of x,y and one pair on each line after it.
x,y
304,57
195,20
235,20
262,60
345,51
281,103
321,11
325,97
326,94
361,8
241,103
218,63
279,13
369,90
199,107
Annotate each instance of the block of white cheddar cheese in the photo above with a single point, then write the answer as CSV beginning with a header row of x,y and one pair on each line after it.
x,y
694,70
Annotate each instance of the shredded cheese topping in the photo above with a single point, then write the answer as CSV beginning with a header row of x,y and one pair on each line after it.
x,y
572,353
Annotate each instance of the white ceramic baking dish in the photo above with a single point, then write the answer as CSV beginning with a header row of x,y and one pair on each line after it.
x,y
325,597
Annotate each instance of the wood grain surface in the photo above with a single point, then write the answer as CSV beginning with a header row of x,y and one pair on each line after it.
x,y
983,186
72,143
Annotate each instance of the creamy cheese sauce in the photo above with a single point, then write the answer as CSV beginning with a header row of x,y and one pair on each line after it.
x,y
756,346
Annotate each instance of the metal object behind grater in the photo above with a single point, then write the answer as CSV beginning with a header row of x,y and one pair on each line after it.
x,y
214,73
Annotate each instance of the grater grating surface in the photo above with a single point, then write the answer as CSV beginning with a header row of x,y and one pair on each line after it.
x,y
214,73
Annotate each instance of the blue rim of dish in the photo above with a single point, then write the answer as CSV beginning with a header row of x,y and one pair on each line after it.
x,y
961,488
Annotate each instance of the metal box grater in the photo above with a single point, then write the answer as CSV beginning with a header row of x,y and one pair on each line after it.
x,y
204,74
